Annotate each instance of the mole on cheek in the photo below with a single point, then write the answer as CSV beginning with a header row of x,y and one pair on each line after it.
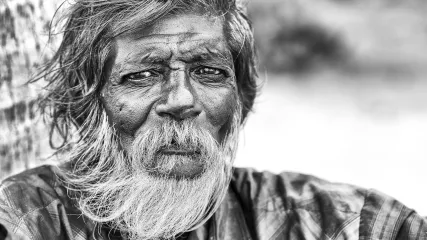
x,y
124,117
121,110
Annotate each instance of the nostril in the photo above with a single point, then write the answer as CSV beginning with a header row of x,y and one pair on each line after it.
x,y
165,115
188,113
173,142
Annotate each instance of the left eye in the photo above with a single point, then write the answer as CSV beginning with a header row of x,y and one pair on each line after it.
x,y
209,71
140,76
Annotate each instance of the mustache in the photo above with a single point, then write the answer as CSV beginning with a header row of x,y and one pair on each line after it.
x,y
185,134
161,147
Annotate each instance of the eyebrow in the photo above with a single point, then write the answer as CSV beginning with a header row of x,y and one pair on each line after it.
x,y
209,55
156,56
150,57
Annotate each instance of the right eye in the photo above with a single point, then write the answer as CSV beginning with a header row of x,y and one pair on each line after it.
x,y
143,76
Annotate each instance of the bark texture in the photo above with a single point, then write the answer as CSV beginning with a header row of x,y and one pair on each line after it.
x,y
24,28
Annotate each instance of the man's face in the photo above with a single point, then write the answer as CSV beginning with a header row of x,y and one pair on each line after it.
x,y
180,69
169,133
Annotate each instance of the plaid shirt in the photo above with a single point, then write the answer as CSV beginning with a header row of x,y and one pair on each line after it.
x,y
33,205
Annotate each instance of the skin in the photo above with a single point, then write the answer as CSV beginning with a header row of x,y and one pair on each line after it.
x,y
179,68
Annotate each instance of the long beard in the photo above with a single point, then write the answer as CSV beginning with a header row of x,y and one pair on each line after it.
x,y
137,192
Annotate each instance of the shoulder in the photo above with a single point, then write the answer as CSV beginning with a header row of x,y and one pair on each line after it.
x,y
321,209
34,200
296,190
31,189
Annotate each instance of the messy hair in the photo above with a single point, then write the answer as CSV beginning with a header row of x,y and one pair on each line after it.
x,y
77,71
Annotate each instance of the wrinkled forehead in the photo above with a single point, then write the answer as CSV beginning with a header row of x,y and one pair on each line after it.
x,y
188,36
179,27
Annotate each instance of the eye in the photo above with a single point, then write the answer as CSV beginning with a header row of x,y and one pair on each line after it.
x,y
210,75
209,71
141,76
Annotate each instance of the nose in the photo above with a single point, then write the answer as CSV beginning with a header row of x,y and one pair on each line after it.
x,y
180,100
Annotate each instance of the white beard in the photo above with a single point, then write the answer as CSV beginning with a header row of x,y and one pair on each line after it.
x,y
145,202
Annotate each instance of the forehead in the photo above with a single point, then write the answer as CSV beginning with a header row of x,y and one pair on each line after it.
x,y
180,35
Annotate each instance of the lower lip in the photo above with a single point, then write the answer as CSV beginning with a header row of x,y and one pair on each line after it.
x,y
186,163
178,152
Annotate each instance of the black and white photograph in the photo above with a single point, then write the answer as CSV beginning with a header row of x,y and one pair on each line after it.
x,y
213,120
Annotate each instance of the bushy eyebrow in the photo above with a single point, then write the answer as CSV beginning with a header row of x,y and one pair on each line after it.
x,y
210,53
206,57
152,58
191,56
197,50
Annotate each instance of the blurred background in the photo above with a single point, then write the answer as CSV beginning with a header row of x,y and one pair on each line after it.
x,y
344,91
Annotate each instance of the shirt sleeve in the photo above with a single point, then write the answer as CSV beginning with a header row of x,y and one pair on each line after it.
x,y
414,227
383,217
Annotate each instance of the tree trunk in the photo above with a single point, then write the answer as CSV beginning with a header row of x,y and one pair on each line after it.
x,y
24,26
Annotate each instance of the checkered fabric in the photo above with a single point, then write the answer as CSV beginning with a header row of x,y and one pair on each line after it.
x,y
259,205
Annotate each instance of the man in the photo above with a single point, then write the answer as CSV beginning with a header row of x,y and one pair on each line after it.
x,y
157,91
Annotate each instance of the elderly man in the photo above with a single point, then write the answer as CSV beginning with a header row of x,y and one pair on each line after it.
x,y
156,91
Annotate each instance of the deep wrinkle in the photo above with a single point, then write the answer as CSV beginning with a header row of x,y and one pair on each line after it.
x,y
153,55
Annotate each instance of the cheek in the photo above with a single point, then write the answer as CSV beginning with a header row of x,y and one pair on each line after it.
x,y
127,110
219,105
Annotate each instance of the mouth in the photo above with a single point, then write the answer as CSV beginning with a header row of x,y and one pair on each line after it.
x,y
178,163
173,148
177,151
